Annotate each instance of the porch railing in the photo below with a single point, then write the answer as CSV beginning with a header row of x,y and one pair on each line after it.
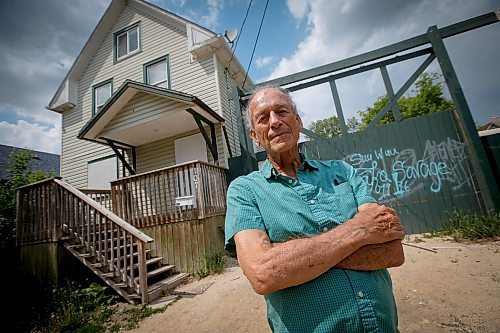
x,y
52,210
103,197
192,190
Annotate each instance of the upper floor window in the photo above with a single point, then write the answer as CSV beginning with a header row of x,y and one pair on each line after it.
x,y
127,41
100,94
157,72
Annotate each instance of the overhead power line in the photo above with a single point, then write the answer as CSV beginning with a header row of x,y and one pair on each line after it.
x,y
255,45
239,35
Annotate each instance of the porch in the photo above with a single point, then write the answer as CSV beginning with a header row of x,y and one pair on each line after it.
x,y
142,236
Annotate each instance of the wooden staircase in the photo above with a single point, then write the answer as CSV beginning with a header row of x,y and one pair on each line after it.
x,y
110,247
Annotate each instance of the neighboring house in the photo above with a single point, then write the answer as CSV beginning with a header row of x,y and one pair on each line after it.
x,y
149,94
493,124
41,161
133,100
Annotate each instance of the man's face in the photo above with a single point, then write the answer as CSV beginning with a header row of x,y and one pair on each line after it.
x,y
276,127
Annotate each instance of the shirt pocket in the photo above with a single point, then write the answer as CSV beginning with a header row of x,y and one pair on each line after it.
x,y
340,205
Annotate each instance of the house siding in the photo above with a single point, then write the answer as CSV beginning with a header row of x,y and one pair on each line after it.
x,y
226,84
157,39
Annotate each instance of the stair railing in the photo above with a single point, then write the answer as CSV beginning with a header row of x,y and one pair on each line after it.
x,y
52,209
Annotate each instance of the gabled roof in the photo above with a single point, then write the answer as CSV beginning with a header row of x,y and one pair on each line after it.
x,y
94,127
108,20
41,161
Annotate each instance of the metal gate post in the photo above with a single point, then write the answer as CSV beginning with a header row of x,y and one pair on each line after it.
x,y
249,162
479,160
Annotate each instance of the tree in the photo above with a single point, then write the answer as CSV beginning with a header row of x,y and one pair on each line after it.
x,y
428,99
19,173
330,127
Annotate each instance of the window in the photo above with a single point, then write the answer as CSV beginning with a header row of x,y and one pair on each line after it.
x,y
100,95
157,72
127,42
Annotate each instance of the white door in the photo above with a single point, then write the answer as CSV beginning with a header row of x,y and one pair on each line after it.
x,y
190,148
101,172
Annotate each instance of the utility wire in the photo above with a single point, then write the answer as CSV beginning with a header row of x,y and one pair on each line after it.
x,y
239,35
255,45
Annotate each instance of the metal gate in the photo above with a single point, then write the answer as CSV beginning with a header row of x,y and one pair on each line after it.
x,y
426,167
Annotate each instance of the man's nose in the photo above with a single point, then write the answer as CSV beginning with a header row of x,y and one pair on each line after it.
x,y
274,120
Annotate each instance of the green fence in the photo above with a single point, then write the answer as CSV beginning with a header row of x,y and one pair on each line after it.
x,y
419,166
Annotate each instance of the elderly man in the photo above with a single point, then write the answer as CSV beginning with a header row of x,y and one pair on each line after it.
x,y
308,235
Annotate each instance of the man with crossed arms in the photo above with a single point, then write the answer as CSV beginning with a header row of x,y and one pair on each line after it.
x,y
308,235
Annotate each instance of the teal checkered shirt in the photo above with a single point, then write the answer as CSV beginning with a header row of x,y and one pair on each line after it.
x,y
325,194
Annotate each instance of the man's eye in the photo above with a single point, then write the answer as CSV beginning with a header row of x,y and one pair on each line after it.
x,y
282,111
262,119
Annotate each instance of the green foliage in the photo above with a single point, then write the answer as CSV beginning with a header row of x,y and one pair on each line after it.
x,y
428,99
330,127
472,226
80,310
20,173
86,310
134,315
212,264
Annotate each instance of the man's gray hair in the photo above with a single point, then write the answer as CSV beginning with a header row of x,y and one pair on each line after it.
x,y
248,119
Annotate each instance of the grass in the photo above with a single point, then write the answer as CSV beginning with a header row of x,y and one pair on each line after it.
x,y
462,226
212,264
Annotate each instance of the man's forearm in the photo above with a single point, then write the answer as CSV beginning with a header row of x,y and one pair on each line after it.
x,y
375,256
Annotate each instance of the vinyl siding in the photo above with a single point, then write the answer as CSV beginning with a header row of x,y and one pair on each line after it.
x,y
161,153
141,108
226,84
157,39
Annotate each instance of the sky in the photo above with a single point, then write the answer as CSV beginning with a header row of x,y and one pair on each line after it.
x,y
41,39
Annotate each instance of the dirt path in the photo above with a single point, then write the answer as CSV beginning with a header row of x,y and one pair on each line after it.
x,y
456,289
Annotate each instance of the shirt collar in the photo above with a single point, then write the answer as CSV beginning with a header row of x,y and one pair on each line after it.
x,y
268,170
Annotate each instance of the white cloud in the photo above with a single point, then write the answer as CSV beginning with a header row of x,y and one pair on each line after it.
x,y
212,18
298,8
37,114
343,28
32,136
263,61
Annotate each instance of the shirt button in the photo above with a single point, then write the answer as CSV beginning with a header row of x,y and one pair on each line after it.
x,y
325,229
290,181
312,202
361,294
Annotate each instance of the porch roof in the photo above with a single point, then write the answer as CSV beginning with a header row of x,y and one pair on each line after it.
x,y
179,117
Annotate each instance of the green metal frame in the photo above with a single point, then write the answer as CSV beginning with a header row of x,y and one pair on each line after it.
x,y
371,60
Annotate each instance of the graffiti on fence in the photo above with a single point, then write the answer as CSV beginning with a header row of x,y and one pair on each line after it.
x,y
390,172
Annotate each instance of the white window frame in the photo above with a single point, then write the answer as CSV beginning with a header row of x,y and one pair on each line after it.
x,y
96,107
165,82
127,31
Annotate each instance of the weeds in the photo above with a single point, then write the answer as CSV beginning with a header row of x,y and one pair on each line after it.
x,y
212,264
89,310
472,227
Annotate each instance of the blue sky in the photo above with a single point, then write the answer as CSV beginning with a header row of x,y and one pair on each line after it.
x,y
41,39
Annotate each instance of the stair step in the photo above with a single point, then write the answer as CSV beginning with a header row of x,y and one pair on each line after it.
x,y
148,262
158,289
160,270
98,265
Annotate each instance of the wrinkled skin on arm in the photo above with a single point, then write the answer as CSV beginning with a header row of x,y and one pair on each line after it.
x,y
368,238
375,256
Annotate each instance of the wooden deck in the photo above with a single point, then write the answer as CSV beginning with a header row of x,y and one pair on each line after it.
x,y
193,190
145,225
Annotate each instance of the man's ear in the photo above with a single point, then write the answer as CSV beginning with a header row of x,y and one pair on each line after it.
x,y
301,125
253,134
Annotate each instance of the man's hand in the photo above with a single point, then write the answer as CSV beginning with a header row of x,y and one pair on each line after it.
x,y
377,224
381,225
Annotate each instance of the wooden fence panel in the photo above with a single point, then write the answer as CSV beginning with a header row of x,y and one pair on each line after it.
x,y
419,166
